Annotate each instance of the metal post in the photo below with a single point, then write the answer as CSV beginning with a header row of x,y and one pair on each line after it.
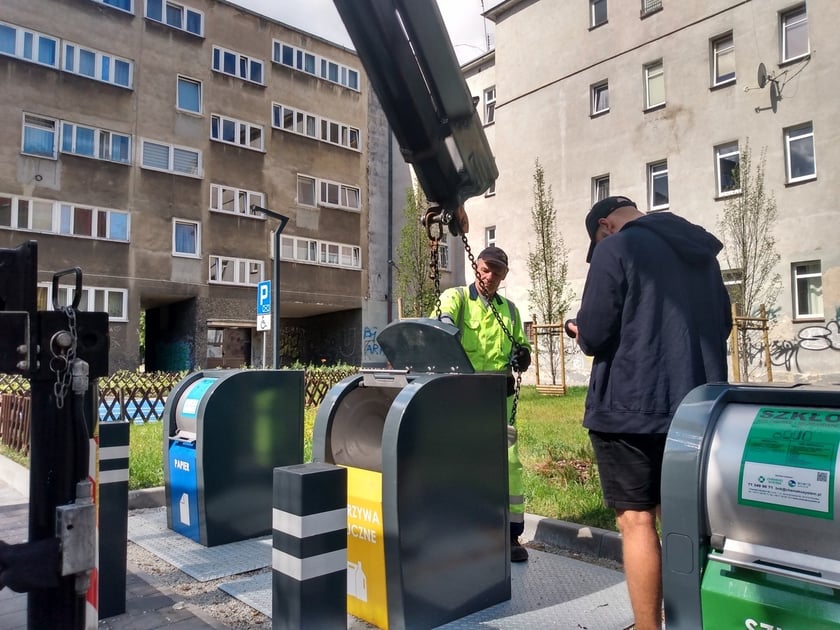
x,y
275,284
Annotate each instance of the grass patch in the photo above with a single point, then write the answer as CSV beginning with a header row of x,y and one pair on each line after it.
x,y
145,457
15,456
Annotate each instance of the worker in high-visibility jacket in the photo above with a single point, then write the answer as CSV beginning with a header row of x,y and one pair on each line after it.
x,y
491,350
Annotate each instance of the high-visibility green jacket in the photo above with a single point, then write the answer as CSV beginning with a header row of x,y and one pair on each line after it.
x,y
484,341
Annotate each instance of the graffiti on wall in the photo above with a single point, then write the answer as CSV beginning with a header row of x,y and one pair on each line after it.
x,y
370,348
786,353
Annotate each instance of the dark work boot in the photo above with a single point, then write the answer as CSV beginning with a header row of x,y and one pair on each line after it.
x,y
518,553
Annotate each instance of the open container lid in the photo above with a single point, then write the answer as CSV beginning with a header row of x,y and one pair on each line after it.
x,y
424,345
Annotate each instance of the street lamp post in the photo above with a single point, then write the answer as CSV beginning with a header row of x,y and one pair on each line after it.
x,y
275,284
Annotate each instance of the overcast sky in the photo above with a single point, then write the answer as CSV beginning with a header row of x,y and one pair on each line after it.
x,y
462,17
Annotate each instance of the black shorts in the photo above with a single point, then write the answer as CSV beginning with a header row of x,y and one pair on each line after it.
x,y
630,467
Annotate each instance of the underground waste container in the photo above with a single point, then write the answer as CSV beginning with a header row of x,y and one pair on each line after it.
x,y
750,500
224,433
425,447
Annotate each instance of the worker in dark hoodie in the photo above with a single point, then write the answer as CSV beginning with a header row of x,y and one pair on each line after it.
x,y
655,316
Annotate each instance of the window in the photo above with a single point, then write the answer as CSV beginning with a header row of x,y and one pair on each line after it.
x,y
28,45
658,185
600,98
158,156
189,95
224,270
186,238
332,194
727,158
176,15
654,85
443,252
124,5
95,143
238,132
64,218
799,153
597,12
490,236
305,61
39,136
650,6
92,299
794,34
733,280
100,66
600,188
723,60
324,253
490,105
237,65
305,124
235,200
807,290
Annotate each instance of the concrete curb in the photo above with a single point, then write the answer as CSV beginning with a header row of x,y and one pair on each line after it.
x,y
590,541
146,498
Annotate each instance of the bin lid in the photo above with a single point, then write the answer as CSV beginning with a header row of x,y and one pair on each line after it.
x,y
424,345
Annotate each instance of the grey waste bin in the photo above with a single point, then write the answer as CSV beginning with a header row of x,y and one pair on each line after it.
x,y
425,446
224,433
750,509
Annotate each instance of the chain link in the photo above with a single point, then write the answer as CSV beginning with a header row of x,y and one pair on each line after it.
x,y
63,357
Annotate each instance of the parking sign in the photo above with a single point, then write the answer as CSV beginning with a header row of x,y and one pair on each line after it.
x,y
264,298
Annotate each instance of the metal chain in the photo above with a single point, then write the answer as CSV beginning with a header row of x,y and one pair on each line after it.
x,y
63,352
434,264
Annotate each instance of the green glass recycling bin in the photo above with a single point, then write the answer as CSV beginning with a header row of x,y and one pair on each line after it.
x,y
224,433
751,509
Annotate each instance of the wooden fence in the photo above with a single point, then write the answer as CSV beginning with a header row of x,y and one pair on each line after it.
x,y
14,421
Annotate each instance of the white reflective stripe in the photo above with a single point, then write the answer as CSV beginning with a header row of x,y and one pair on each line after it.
x,y
113,452
307,568
310,525
517,517
113,476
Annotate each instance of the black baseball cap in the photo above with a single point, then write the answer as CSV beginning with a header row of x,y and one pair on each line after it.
x,y
494,255
602,210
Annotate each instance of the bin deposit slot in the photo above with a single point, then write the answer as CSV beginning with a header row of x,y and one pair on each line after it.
x,y
356,434
820,571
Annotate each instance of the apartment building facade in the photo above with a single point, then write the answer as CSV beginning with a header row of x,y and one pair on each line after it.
x,y
657,100
138,136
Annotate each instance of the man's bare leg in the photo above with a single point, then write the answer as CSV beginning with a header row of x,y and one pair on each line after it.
x,y
642,566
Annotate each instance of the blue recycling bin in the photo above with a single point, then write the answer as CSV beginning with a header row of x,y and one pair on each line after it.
x,y
224,433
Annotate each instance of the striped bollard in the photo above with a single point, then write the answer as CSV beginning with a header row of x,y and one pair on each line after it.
x,y
309,555
113,516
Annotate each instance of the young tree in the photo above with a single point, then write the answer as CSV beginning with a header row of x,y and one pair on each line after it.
x,y
415,288
550,293
746,228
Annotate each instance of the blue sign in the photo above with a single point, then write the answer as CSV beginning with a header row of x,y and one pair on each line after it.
x,y
264,298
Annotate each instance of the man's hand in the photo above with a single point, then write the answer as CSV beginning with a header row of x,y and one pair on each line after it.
x,y
571,328
520,359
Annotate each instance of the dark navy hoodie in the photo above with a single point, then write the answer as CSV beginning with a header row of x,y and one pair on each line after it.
x,y
655,316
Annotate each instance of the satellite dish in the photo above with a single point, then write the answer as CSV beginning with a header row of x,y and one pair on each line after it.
x,y
762,75
775,97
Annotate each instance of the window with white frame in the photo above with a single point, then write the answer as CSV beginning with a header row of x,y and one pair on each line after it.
x,y
176,15
235,200
189,95
40,136
654,84
597,12
123,5
91,142
92,299
800,160
727,159
794,33
159,156
303,123
242,271
97,65
28,45
238,132
306,187
490,105
310,63
733,280
658,185
63,218
324,253
807,290
600,188
186,238
600,98
650,6
490,236
314,191
237,65
723,60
